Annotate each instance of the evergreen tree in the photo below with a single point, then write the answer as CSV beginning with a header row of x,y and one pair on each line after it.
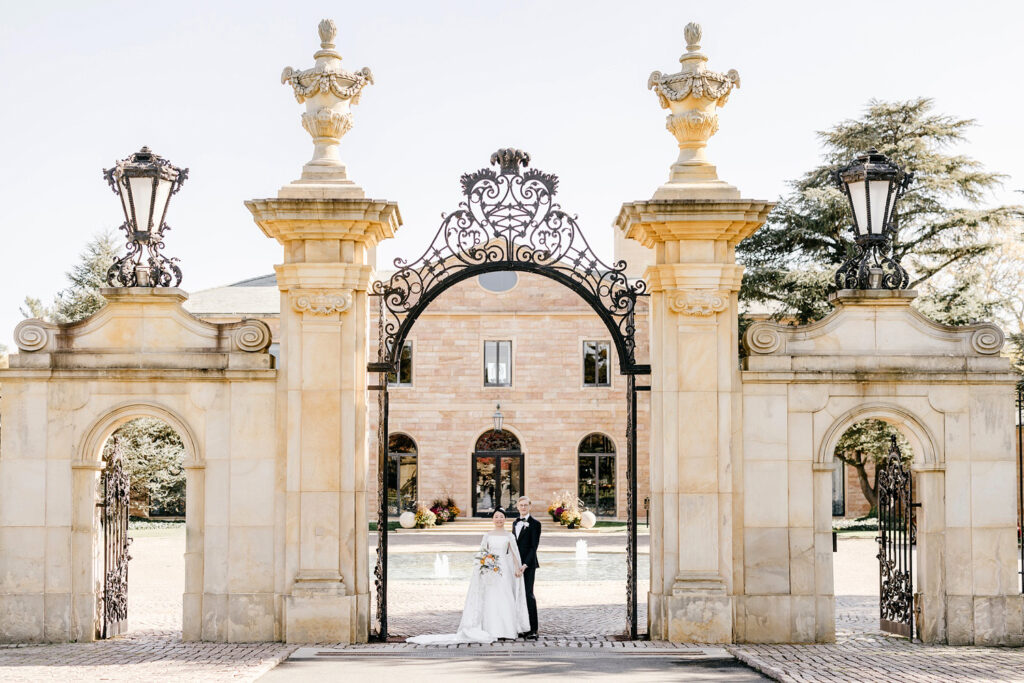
x,y
942,222
82,297
154,458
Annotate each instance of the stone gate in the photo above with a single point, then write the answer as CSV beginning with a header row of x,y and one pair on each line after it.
x,y
277,530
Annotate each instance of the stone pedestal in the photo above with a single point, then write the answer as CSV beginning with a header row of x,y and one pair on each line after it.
x,y
695,406
328,247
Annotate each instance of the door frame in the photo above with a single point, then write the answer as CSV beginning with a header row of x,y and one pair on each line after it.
x,y
497,455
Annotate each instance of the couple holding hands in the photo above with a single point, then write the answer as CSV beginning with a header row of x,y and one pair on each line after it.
x,y
500,602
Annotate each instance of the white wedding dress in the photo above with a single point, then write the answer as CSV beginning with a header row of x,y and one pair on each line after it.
x,y
495,604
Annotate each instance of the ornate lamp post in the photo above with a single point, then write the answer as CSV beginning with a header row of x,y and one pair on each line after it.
x,y
498,418
145,182
872,184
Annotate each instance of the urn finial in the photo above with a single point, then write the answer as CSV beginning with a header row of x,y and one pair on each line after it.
x,y
328,91
692,33
328,30
693,95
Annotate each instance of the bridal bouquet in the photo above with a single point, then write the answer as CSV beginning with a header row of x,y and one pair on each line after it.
x,y
488,562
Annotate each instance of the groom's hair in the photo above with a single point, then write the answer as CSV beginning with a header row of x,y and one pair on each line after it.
x,y
522,498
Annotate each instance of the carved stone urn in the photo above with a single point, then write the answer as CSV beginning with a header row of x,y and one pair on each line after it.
x,y
328,91
693,96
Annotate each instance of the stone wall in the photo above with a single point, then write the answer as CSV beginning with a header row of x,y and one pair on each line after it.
x,y
951,395
67,390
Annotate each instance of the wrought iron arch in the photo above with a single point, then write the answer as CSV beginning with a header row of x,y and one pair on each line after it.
x,y
510,221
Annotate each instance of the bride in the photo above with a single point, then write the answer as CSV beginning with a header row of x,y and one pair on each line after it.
x,y
496,601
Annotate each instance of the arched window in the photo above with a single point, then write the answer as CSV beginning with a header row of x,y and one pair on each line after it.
x,y
596,474
402,474
497,472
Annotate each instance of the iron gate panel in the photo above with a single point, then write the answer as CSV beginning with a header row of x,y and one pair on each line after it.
x,y
895,543
116,493
508,221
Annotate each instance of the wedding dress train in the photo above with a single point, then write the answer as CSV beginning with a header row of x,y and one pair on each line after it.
x,y
495,603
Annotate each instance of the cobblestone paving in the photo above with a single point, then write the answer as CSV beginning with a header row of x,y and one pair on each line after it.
x,y
862,652
152,650
595,608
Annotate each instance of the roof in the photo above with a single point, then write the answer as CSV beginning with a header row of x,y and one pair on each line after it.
x,y
254,296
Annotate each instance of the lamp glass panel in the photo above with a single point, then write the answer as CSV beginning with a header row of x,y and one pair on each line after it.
x,y
859,201
142,196
879,193
163,193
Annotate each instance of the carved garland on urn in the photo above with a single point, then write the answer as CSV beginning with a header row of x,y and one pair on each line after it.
x,y
330,90
322,302
699,303
693,93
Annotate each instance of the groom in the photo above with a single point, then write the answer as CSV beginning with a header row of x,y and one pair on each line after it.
x,y
527,531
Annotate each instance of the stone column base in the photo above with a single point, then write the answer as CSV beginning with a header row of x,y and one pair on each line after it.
x,y
318,612
978,620
690,617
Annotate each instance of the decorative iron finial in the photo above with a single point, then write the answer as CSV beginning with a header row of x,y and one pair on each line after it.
x,y
693,95
509,159
328,91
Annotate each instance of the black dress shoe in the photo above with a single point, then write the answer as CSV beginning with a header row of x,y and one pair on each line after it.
x,y
532,635
521,635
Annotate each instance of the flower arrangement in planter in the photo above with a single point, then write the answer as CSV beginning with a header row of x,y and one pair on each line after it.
x,y
424,517
445,510
565,509
570,518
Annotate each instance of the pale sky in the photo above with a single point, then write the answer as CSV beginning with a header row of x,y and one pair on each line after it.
x,y
87,83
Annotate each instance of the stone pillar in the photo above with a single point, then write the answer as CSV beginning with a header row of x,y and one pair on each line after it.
x,y
329,232
693,224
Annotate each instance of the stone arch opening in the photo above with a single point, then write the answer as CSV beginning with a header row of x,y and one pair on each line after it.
x,y
158,452
860,580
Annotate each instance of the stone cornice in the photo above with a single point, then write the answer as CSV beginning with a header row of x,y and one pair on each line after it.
x,y
323,276
892,328
661,220
671,277
360,220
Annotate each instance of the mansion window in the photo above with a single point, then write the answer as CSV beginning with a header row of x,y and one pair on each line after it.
x,y
596,470
596,370
403,378
402,474
497,363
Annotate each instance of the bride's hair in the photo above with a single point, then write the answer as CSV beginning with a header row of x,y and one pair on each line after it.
x,y
503,513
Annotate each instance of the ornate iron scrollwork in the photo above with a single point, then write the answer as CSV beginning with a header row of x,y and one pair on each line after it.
x,y
510,221
116,496
380,569
856,271
895,543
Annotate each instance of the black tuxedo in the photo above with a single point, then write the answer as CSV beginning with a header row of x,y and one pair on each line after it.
x,y
528,538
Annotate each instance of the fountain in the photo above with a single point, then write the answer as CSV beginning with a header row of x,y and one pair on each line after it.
x,y
581,550
441,570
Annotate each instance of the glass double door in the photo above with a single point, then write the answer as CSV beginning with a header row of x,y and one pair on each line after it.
x,y
497,481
